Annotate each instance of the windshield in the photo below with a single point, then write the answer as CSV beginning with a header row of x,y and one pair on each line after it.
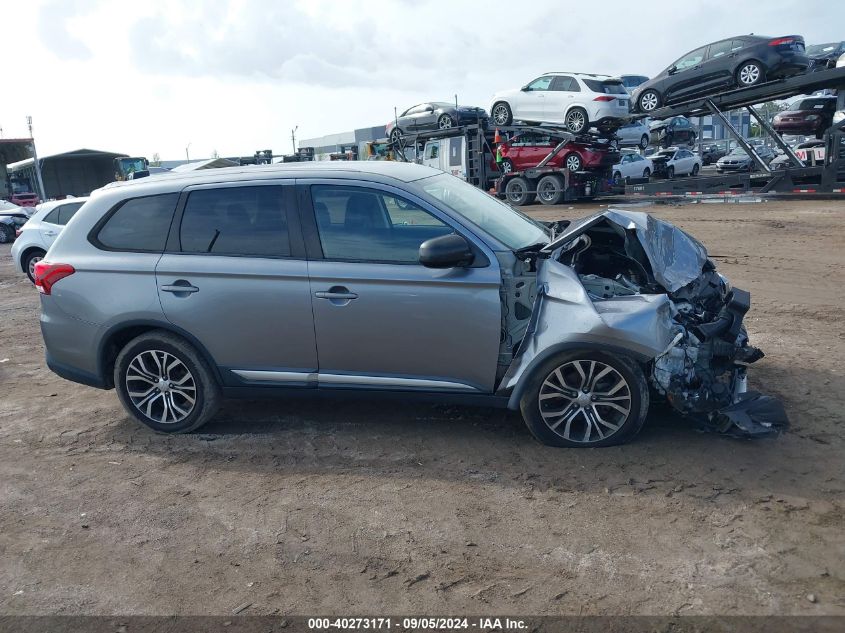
x,y
820,49
813,104
511,228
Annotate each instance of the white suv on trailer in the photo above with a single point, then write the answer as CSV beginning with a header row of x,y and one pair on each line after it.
x,y
577,100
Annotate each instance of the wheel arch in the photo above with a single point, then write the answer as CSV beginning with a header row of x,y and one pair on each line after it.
x,y
116,338
28,251
569,346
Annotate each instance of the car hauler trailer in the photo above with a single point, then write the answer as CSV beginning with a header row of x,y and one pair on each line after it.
x,y
825,175
469,152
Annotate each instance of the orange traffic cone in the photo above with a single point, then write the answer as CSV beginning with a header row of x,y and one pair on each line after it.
x,y
497,138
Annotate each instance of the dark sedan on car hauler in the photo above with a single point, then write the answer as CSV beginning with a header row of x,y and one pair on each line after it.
x,y
434,115
742,61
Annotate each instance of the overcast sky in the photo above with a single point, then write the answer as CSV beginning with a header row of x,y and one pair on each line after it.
x,y
145,77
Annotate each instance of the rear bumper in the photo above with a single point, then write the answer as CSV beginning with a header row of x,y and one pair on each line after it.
x,y
74,374
790,63
71,345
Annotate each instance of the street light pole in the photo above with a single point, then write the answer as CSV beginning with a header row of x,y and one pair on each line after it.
x,y
41,193
293,138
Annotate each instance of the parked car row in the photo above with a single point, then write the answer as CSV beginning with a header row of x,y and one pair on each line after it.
x,y
739,160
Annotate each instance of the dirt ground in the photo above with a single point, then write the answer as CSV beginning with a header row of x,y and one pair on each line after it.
x,y
345,507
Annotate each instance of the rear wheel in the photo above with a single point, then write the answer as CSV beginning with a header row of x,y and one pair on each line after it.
x,y
646,173
550,189
507,166
32,258
517,191
670,172
7,233
577,121
395,135
445,122
649,100
585,399
572,162
617,178
695,169
501,114
644,141
164,383
749,74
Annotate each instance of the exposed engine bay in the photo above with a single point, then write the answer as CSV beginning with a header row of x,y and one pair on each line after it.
x,y
633,282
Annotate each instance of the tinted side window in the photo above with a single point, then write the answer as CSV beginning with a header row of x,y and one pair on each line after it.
x,y
67,211
139,224
52,217
367,225
563,84
247,221
720,49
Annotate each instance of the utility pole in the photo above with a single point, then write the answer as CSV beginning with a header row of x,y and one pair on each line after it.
x,y
187,155
293,138
41,193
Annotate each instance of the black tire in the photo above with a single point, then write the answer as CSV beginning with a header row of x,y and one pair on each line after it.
x,y
7,234
550,189
750,73
691,141
517,191
633,396
445,122
29,261
646,173
695,169
649,101
577,120
644,141
207,396
395,135
507,166
617,178
501,114
670,172
573,162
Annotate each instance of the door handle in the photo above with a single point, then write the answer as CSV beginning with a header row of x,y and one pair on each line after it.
x,y
50,233
347,296
180,286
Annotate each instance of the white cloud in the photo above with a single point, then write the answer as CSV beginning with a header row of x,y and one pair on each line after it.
x,y
237,75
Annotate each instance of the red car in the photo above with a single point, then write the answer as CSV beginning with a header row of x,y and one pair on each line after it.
x,y
812,115
24,199
527,149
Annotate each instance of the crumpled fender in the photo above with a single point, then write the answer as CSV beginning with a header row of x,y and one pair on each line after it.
x,y
564,317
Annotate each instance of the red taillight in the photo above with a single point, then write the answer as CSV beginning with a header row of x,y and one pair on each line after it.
x,y
781,40
17,233
604,98
47,274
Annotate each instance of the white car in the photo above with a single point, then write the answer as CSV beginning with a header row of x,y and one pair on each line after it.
x,y
578,101
635,134
39,233
675,161
632,165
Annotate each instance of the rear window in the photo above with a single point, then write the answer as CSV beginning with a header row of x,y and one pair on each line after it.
x,y
607,87
139,224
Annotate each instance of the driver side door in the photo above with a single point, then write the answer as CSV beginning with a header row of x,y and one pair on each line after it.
x,y
532,99
687,78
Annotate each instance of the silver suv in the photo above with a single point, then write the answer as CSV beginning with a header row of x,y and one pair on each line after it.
x,y
184,289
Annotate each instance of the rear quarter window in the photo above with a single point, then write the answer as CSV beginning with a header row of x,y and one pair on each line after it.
x,y
137,224
606,87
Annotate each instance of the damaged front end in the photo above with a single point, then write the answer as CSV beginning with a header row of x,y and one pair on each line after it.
x,y
629,282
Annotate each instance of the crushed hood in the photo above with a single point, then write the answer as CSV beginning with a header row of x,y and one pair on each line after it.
x,y
676,258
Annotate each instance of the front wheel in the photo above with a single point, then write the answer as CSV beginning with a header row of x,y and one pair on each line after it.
x,y
32,258
445,122
517,191
649,100
572,162
501,114
670,172
646,173
644,141
749,74
577,121
585,399
507,166
695,169
164,383
7,234
617,178
395,135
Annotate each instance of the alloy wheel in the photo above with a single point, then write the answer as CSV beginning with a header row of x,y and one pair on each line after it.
x,y
576,121
573,162
648,101
161,387
445,122
500,114
31,267
749,74
585,401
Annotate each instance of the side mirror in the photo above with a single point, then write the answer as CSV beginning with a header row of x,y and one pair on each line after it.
x,y
525,89
672,69
446,251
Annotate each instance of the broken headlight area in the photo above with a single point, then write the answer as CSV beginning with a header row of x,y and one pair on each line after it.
x,y
702,371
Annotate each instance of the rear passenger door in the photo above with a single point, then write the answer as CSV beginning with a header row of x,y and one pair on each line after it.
x,y
562,94
382,319
234,276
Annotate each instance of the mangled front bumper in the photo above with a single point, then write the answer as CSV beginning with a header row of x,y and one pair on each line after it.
x,y
684,327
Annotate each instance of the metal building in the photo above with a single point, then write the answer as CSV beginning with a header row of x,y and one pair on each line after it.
x,y
75,173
